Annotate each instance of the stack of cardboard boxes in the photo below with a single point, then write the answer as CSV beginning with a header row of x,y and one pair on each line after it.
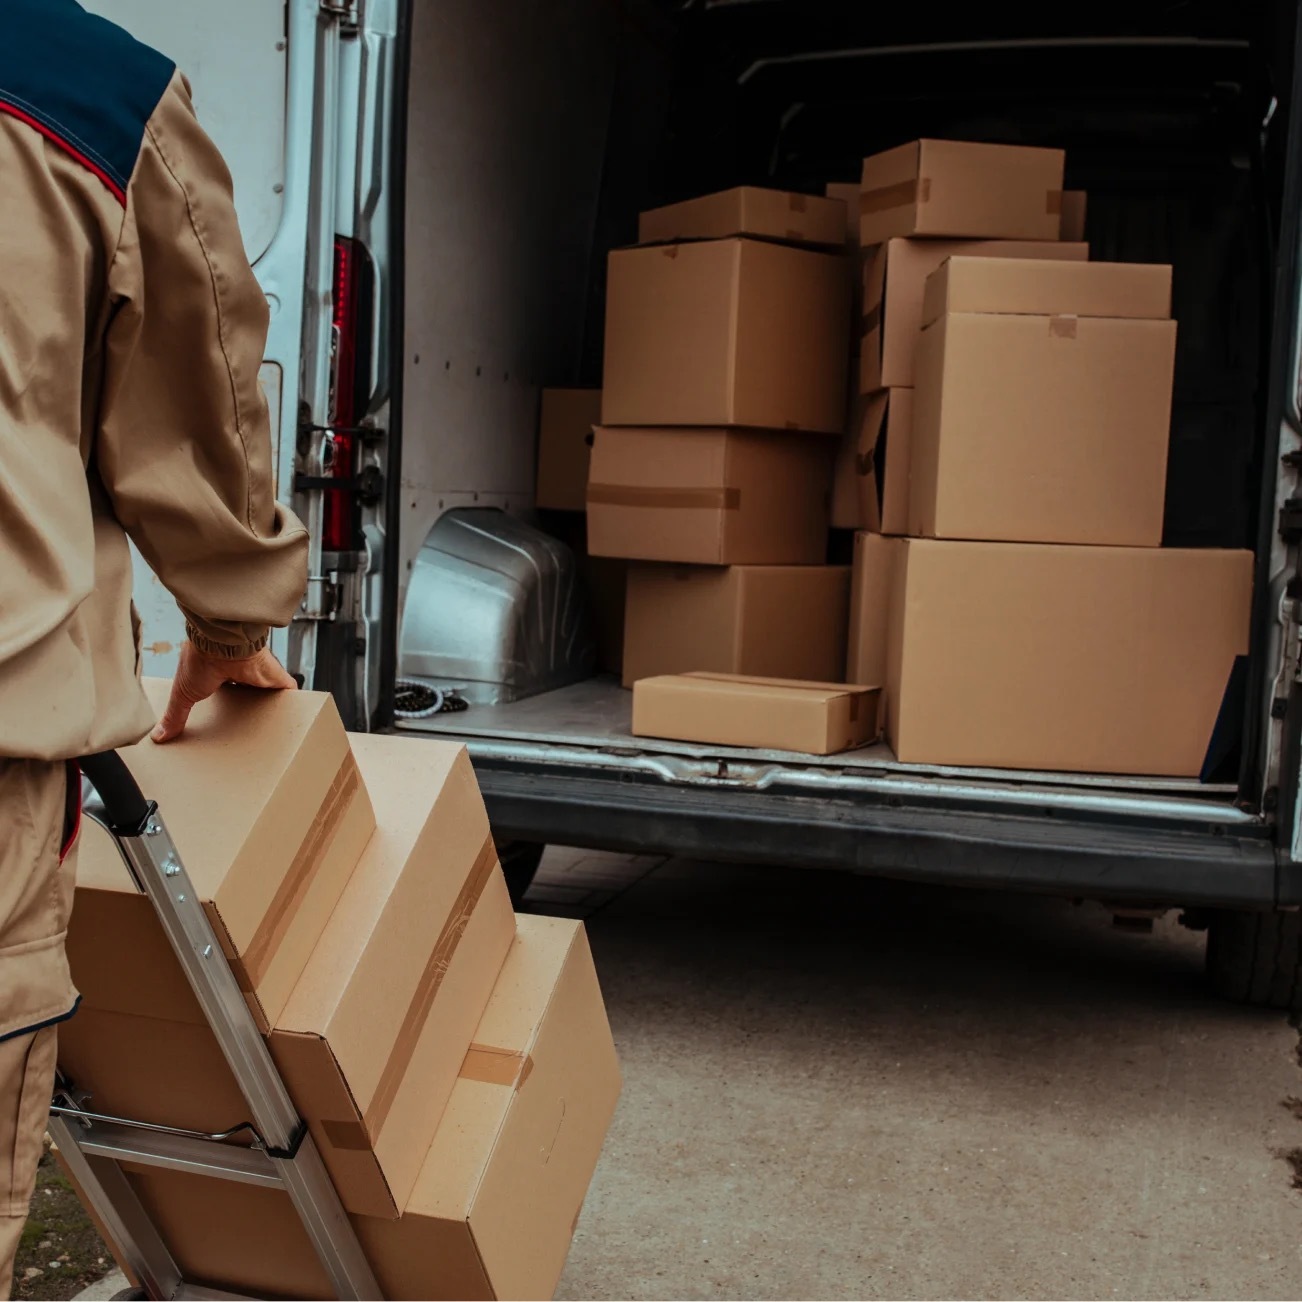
x,y
454,1068
1027,616
724,389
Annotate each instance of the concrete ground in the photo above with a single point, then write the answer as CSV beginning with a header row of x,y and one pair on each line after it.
x,y
836,1087
839,1088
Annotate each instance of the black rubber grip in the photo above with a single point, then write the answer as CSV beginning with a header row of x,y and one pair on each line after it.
x,y
127,809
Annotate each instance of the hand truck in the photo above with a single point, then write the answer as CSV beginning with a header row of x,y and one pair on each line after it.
x,y
282,1155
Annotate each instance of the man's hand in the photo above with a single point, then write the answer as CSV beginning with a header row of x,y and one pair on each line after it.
x,y
198,676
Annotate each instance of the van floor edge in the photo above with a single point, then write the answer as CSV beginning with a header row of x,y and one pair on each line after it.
x,y
595,715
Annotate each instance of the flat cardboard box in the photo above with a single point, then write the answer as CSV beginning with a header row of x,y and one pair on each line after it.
x,y
870,600
1041,287
768,713
710,496
565,426
1041,428
848,193
1074,208
769,621
501,1187
264,802
372,1036
870,484
726,332
1080,659
894,283
747,210
959,189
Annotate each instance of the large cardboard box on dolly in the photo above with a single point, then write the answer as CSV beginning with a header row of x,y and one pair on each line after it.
x,y
501,1187
371,1039
726,332
955,188
769,621
710,497
870,483
894,282
769,713
265,803
1079,659
565,422
1043,406
748,210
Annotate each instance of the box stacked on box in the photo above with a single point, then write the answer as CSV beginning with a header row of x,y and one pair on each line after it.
x,y
725,373
1027,616
379,902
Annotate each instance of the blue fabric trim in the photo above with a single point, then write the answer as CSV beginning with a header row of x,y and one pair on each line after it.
x,y
82,78
40,1026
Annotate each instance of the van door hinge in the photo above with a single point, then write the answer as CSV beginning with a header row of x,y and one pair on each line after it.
x,y
321,600
1290,520
345,10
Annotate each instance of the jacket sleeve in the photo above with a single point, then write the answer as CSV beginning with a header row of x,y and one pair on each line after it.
x,y
184,445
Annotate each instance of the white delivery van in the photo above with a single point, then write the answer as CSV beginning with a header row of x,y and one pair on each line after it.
x,y
429,189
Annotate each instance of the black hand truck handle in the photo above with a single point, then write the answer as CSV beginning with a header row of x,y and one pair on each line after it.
x,y
125,806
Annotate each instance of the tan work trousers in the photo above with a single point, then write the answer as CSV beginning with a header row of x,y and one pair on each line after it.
x,y
37,875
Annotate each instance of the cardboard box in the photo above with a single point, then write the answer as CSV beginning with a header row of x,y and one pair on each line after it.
x,y
1041,287
726,332
848,193
1082,659
1073,215
564,446
265,804
870,485
870,601
768,621
1041,428
955,188
371,1039
710,496
894,282
500,1188
769,713
747,210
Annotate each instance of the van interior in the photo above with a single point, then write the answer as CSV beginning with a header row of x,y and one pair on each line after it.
x,y
537,132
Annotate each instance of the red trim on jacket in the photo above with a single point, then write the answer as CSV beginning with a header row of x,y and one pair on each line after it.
x,y
75,154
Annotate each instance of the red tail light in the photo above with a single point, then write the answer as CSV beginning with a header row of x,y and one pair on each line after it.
x,y
341,524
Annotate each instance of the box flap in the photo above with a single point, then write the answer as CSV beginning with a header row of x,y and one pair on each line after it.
x,y
1048,288
777,686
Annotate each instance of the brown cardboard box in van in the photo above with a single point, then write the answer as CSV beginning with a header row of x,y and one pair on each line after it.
x,y
265,804
848,193
894,281
870,605
726,332
1082,659
747,210
500,1189
768,713
1074,207
710,496
870,485
565,426
956,188
1031,426
770,621
371,1039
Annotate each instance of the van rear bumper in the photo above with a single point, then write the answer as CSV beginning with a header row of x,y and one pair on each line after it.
x,y
1093,858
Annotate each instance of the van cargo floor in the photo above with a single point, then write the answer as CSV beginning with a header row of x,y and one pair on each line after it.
x,y
594,716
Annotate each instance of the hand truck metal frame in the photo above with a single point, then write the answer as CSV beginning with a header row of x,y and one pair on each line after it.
x,y
283,1154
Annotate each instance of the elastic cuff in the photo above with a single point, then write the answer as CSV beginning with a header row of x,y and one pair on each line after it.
x,y
224,650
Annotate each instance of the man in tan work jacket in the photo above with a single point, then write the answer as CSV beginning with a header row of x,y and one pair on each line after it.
x,y
131,334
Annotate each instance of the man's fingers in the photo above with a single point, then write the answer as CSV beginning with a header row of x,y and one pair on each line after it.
x,y
175,716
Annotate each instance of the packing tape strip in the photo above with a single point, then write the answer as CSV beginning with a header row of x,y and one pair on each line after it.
x,y
427,988
493,1066
705,499
348,1136
917,190
1062,327
289,894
